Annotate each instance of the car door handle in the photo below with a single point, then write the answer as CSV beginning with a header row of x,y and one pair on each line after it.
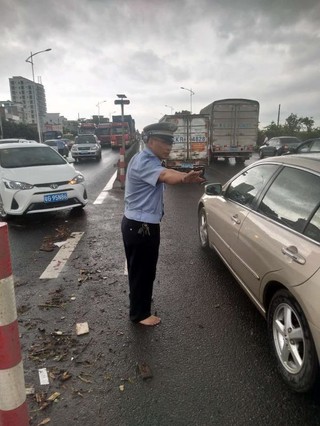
x,y
235,219
292,252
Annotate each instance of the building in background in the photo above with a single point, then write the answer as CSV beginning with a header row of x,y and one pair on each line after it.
x,y
21,90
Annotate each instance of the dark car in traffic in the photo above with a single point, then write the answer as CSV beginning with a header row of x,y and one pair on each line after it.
x,y
278,146
308,146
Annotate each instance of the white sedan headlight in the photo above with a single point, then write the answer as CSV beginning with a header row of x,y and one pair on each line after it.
x,y
77,179
14,184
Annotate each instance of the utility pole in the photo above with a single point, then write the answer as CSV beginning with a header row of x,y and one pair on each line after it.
x,y
278,121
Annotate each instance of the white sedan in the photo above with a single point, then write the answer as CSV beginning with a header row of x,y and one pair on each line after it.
x,y
34,178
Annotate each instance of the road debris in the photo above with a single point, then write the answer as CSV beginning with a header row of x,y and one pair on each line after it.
x,y
83,379
44,421
43,376
54,396
144,370
30,391
52,346
82,328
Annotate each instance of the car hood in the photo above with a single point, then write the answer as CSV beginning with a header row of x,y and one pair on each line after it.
x,y
41,174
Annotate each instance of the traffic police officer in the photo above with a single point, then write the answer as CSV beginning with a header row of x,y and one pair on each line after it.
x,y
145,180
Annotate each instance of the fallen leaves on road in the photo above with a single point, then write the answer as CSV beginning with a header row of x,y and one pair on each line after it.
x,y
145,370
52,346
62,234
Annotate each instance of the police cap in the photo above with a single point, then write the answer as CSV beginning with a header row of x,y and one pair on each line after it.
x,y
163,131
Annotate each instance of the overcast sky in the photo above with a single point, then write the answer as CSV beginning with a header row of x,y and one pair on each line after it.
x,y
267,50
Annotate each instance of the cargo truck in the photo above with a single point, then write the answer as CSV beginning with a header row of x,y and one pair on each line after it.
x,y
86,128
233,128
125,128
103,133
190,146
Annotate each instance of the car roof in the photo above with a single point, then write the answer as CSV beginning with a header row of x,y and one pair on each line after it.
x,y
311,140
309,160
13,140
30,144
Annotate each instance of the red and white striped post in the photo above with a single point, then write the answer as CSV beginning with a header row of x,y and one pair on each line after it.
x,y
13,406
122,167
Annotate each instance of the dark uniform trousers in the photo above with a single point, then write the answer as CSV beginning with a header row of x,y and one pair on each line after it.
x,y
141,243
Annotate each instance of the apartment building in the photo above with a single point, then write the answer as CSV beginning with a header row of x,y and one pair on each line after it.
x,y
27,93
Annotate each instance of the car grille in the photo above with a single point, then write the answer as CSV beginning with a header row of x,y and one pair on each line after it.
x,y
47,185
44,206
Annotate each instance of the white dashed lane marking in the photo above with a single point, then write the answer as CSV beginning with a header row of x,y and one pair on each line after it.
x,y
55,266
103,194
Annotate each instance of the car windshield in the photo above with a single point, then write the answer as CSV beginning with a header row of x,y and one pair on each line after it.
x,y
118,130
29,157
105,131
289,140
85,139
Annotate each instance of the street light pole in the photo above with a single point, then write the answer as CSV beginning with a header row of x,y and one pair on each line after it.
x,y
191,94
122,166
172,109
98,105
30,60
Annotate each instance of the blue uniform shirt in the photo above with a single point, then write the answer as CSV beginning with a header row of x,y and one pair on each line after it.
x,y
143,193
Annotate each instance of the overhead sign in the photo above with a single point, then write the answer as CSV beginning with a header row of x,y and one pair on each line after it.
x,y
122,101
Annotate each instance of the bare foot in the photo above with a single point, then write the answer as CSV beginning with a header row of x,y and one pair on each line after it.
x,y
152,320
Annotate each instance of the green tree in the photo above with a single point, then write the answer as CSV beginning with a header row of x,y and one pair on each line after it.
x,y
292,124
19,130
308,123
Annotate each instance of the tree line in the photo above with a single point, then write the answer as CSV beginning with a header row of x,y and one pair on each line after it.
x,y
301,127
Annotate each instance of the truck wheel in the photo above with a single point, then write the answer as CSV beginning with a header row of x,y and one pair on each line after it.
x,y
292,342
240,160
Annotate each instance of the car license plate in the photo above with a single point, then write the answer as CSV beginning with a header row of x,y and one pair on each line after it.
x,y
186,165
53,198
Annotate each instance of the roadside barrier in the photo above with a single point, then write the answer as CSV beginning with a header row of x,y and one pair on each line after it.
x,y
124,158
13,406
122,167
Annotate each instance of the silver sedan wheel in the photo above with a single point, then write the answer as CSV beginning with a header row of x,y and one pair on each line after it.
x,y
3,213
203,228
288,338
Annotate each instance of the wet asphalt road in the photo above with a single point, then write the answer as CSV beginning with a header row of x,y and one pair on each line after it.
x,y
210,359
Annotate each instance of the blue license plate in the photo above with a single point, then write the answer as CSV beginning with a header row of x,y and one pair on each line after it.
x,y
53,198
186,165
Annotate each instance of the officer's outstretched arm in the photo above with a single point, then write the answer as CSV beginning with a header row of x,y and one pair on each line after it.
x,y
173,177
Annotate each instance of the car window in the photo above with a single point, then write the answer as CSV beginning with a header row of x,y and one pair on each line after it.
x,y
292,198
85,139
313,228
274,142
315,146
29,157
288,141
51,143
305,147
248,185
